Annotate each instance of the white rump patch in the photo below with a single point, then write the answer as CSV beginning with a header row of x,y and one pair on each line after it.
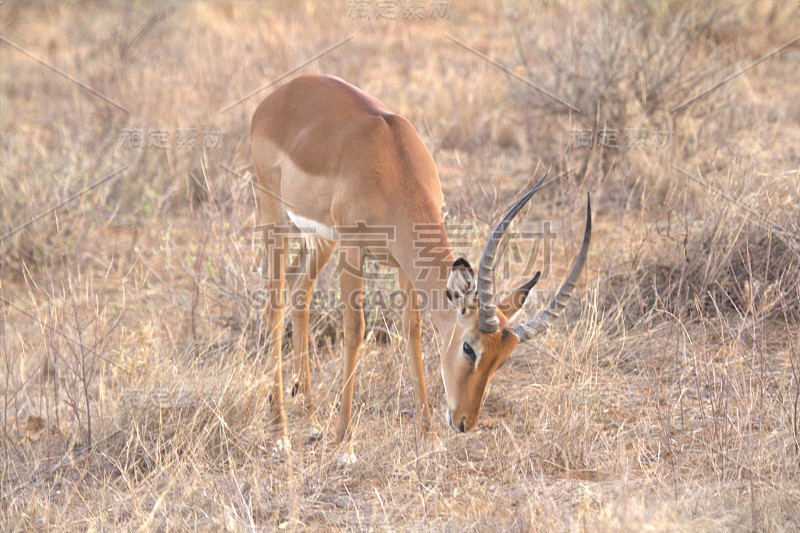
x,y
312,227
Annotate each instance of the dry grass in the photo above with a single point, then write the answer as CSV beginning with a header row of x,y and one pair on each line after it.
x,y
134,387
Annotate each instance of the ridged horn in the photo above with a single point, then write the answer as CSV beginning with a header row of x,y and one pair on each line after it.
x,y
538,325
487,311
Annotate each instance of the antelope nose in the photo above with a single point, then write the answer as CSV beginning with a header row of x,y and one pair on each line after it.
x,y
449,418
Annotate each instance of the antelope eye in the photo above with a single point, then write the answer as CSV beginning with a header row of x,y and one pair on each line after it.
x,y
469,351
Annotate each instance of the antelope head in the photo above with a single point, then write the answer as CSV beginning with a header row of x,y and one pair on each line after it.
x,y
482,339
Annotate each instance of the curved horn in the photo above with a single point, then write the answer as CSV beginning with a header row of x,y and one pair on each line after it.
x,y
538,325
487,311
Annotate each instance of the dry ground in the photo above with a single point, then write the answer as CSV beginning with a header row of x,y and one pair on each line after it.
x,y
133,382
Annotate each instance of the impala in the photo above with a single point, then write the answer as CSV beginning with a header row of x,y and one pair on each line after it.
x,y
329,158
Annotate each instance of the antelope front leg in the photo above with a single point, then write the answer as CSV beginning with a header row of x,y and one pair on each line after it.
x,y
412,329
352,286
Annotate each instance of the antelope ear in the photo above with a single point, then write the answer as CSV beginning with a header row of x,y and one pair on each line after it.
x,y
462,263
462,288
509,339
514,301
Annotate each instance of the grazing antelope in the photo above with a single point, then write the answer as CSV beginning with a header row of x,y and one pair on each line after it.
x,y
330,158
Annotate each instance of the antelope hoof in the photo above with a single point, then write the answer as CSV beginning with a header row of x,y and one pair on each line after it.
x,y
283,447
435,443
346,459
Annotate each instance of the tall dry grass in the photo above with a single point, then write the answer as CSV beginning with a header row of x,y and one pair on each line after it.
x,y
134,384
